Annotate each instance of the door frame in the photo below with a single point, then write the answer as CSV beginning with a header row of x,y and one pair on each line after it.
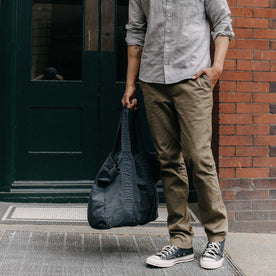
x,y
8,70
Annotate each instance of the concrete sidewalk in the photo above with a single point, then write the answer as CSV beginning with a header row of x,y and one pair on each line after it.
x,y
56,248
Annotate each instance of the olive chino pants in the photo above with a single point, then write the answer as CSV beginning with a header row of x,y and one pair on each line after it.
x,y
180,122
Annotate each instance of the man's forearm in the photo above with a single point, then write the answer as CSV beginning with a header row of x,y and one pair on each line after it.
x,y
221,46
134,58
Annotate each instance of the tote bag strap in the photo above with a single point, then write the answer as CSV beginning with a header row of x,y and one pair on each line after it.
x,y
122,138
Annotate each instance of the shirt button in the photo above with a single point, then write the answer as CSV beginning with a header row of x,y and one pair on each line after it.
x,y
168,31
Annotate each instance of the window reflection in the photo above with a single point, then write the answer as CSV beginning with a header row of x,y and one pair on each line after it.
x,y
57,39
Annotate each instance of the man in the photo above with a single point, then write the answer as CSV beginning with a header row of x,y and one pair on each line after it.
x,y
169,40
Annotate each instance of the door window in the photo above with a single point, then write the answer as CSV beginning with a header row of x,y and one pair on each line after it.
x,y
57,39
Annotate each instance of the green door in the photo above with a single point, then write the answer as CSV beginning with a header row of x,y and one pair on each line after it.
x,y
70,79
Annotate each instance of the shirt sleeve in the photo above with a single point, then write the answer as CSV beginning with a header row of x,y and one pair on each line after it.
x,y
136,27
220,15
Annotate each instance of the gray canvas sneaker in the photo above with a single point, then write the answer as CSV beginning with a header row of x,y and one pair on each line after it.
x,y
171,255
212,257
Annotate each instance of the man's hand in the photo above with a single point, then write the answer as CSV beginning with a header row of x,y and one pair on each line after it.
x,y
212,73
129,99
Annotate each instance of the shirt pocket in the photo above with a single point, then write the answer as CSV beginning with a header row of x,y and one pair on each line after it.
x,y
189,12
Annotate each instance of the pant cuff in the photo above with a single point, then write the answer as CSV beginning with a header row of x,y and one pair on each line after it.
x,y
216,238
181,244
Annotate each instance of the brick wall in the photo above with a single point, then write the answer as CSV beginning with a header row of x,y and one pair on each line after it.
x,y
246,106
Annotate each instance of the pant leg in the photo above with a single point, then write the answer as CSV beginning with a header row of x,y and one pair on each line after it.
x,y
193,100
165,133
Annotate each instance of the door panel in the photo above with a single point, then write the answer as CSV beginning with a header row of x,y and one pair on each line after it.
x,y
57,118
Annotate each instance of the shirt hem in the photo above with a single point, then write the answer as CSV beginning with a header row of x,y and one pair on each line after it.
x,y
167,82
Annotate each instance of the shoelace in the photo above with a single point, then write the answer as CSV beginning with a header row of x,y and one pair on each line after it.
x,y
212,250
167,250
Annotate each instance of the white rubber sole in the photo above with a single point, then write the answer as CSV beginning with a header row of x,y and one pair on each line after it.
x,y
169,263
210,265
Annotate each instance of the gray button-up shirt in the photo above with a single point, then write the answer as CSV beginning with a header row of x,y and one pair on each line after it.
x,y
175,35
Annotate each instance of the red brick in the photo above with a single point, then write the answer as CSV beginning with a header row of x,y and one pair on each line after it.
x,y
264,98
252,108
252,130
251,172
272,172
251,23
226,129
272,44
251,151
226,173
264,161
252,44
272,4
241,12
264,76
231,2
230,162
226,86
226,151
232,44
264,183
252,87
229,65
264,55
253,3
236,76
272,23
247,65
264,13
243,33
228,97
235,119
239,54
265,119
226,108
259,194
227,195
265,140
269,34
234,140
273,66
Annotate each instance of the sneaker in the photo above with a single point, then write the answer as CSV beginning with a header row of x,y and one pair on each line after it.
x,y
212,257
171,255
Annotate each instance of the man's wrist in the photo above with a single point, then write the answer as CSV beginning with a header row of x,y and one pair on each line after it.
x,y
130,85
218,67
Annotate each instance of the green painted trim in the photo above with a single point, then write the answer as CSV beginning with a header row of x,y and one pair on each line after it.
x,y
8,34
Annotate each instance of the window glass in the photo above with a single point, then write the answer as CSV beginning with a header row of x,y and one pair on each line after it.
x,y
57,39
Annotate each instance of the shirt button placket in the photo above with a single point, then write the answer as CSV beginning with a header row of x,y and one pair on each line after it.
x,y
168,36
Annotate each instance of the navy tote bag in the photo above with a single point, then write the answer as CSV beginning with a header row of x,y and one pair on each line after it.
x,y
125,192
